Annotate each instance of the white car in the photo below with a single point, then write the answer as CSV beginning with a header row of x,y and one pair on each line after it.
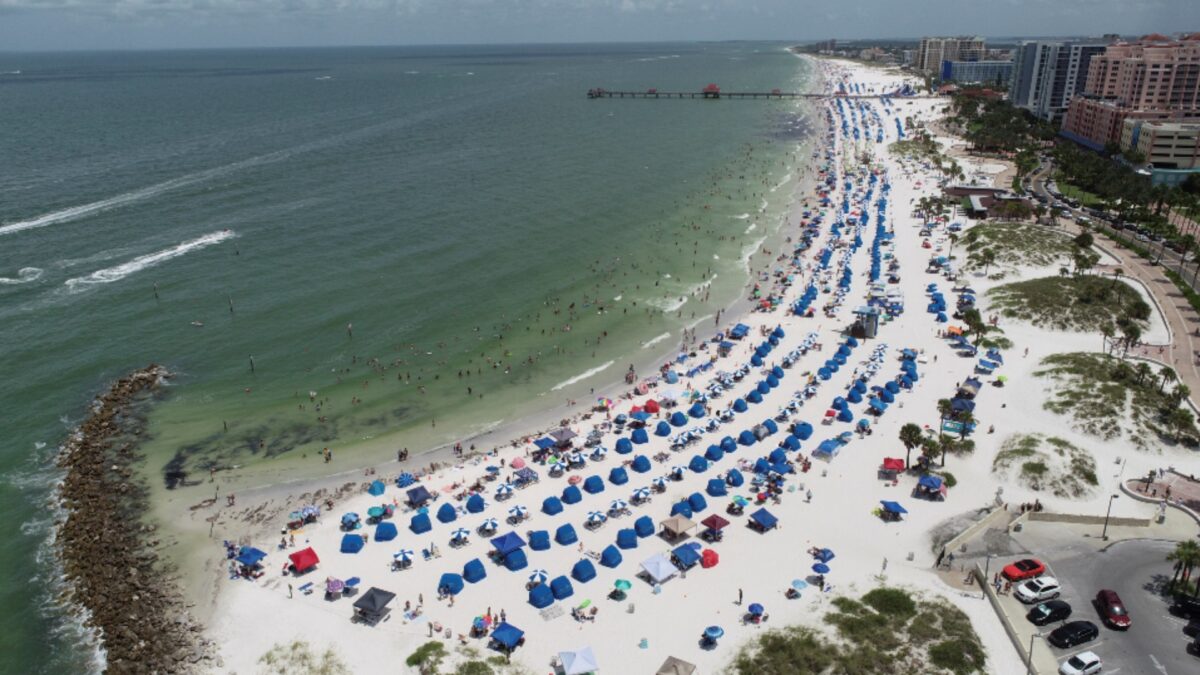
x,y
1083,663
1037,590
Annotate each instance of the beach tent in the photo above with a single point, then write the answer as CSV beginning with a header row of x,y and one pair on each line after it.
x,y
764,519
678,419
561,588
893,464
791,443
770,426
641,464
507,636
754,397
593,485
517,561
418,495
304,560
697,502
447,514
659,568
716,488
385,531
772,381
352,543
715,523
583,571
639,436
697,410
610,556
698,464
893,507
756,361
662,429
565,535
373,604
677,525
739,331
420,523
761,465
685,556
682,508
643,526
450,583
248,556
624,446
539,540
651,406
507,543
728,445
626,539
475,504
551,506
930,482
739,405
618,476
578,662
763,388
825,555
544,443
734,478
777,456
571,495
802,430
541,596
674,666
473,571
377,488
845,415
714,453
747,437
854,396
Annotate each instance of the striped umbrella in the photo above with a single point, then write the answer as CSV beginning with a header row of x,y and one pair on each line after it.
x,y
539,576
659,482
618,505
596,517
504,489
460,533
489,524
403,555
641,493
518,511
677,470
599,452
577,458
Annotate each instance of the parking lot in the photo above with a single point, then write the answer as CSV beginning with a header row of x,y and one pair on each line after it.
x,y
1136,569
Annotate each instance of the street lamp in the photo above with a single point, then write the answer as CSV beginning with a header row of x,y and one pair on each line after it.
x,y
1104,534
987,564
1029,657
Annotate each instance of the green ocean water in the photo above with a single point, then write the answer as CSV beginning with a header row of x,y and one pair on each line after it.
x,y
411,245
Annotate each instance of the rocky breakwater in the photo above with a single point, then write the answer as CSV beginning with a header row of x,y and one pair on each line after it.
x,y
109,554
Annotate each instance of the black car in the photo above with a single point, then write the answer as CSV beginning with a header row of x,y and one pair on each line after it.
x,y
1186,606
1073,633
1049,612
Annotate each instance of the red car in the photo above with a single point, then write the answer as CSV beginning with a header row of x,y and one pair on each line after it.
x,y
1112,609
1024,569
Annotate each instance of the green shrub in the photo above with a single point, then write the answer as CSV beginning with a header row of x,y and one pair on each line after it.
x,y
891,602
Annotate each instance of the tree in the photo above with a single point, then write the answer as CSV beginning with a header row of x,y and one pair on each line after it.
x,y
1117,274
1182,422
975,324
1144,372
911,436
1168,375
1187,243
966,419
1084,240
950,251
1180,393
988,257
1186,557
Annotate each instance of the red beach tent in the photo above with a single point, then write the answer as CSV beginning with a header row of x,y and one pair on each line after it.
x,y
709,558
651,406
893,464
304,560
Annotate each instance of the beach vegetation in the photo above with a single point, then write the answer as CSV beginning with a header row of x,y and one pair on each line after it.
x,y
474,668
1075,303
428,658
1185,557
1014,244
1109,398
298,658
911,436
947,478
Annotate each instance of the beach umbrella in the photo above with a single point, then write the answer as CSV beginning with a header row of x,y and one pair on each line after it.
x,y
577,458
821,568
618,505
677,471
659,482
403,555
504,489
714,632
599,452
539,576
489,524
622,585
641,494
405,479
799,584
756,609
596,517
518,511
460,533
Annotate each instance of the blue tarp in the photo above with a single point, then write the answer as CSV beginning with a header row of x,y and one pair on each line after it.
x,y
893,507
686,556
610,556
539,540
507,543
626,538
571,495
517,561
618,476
475,504
644,526
583,571
420,523
473,571
764,518
541,596
551,506
565,535
507,635
447,514
593,485
641,464
385,531
451,583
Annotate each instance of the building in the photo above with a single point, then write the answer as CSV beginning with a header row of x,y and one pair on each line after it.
x,y
1171,148
1153,79
1047,74
933,50
984,72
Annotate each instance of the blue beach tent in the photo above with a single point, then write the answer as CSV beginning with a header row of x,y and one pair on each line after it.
x,y
697,410
385,531
352,543
377,488
561,588
747,437
734,478
641,464
626,538
716,488
475,504
593,485
754,397
451,583
644,526
639,436
624,446
539,540
507,635
551,506
678,419
420,523
517,561
739,405
728,445
698,464
583,571
565,535
618,476
791,443
802,430
571,495
447,514
764,519
662,429
610,556
507,543
473,571
697,502
541,596
686,556
682,508
714,453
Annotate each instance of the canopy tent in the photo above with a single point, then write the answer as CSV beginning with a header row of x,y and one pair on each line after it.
x,y
674,666
561,588
930,482
686,556
507,635
248,556
450,583
610,556
659,568
352,543
420,523
714,522
893,464
373,604
551,506
893,507
507,543
583,571
539,540
385,531
418,495
473,571
764,519
677,525
578,662
562,436
544,443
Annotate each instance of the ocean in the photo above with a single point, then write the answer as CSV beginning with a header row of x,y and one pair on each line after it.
x,y
362,249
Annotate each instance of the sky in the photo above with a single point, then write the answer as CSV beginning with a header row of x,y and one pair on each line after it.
x,y
52,25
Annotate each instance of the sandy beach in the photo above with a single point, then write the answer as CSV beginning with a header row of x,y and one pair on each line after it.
x,y
833,504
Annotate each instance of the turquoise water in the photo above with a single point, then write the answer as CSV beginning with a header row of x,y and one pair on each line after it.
x,y
376,230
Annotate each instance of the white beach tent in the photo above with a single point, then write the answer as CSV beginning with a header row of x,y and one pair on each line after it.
x,y
659,567
578,662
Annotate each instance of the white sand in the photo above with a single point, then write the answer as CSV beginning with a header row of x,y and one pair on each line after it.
x,y
252,616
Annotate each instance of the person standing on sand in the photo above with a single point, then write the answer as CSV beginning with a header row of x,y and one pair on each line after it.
x,y
289,591
739,602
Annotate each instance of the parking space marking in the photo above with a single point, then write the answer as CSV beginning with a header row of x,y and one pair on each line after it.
x,y
1158,666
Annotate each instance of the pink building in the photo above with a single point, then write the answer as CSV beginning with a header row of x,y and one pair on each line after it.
x,y
1154,78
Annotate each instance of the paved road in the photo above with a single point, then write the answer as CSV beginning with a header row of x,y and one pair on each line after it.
x,y
1136,570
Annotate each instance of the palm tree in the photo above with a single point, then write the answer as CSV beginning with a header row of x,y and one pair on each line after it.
x,y
1168,375
1179,393
1186,243
950,251
911,436
988,257
965,418
1185,556
975,324
1117,274
1144,372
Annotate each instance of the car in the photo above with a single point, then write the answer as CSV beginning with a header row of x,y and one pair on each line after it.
x,y
1112,610
1186,606
1049,612
1083,663
1073,633
1024,569
1036,590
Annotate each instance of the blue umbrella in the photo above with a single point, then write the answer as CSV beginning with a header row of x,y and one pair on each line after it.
x,y
405,479
821,568
539,576
518,511
714,632
756,609
799,584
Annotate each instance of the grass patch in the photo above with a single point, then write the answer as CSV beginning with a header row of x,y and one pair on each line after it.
x,y
887,631
298,658
1015,244
1072,303
1085,198
1112,399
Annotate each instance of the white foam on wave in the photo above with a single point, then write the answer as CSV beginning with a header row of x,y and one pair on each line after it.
x,y
655,340
25,275
753,226
667,306
581,377
741,216
111,274
786,177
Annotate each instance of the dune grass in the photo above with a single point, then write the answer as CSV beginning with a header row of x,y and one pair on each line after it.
x,y
1048,464
1015,244
1071,303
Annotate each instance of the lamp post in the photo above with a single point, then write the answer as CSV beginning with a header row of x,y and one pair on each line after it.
x,y
987,564
1104,534
1029,657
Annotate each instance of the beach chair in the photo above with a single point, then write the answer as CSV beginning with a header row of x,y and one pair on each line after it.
x,y
307,588
426,554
